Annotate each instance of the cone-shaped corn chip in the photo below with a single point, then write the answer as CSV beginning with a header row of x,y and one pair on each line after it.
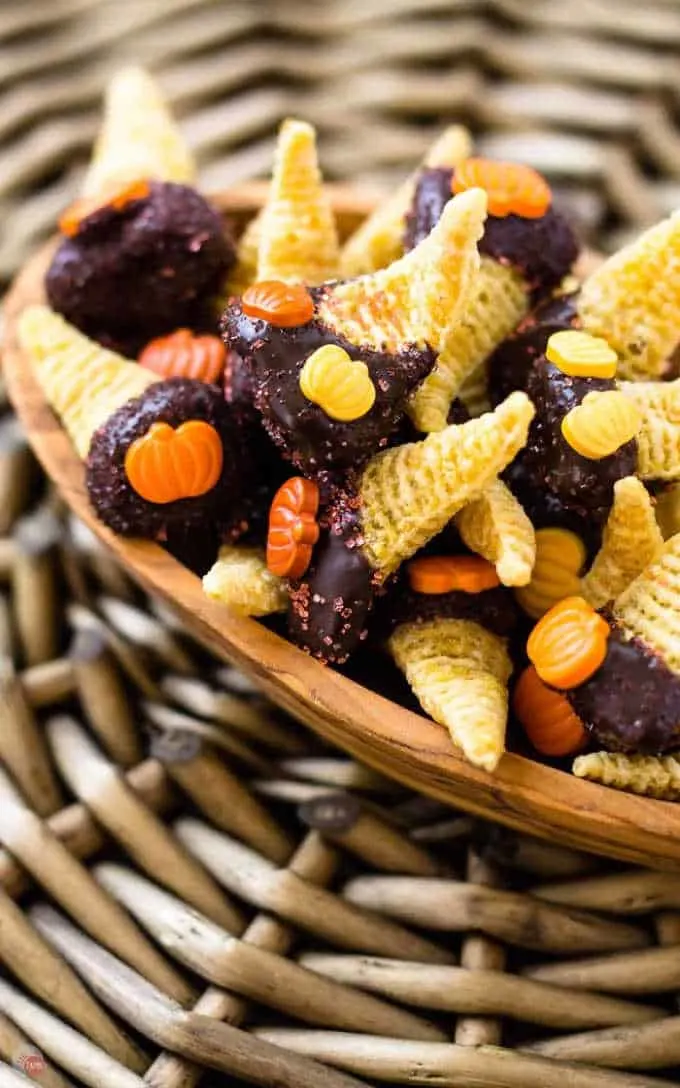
x,y
496,527
244,271
497,303
653,776
630,542
138,138
83,382
419,297
380,238
241,580
459,673
474,392
298,239
649,608
658,440
667,511
633,301
411,492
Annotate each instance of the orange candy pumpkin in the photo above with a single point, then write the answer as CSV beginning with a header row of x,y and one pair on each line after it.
x,y
69,223
165,465
568,644
549,722
444,573
185,355
293,528
282,304
511,188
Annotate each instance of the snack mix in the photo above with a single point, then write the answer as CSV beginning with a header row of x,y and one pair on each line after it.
x,y
429,442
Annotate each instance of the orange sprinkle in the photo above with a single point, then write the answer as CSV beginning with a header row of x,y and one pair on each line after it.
x,y
445,573
293,528
511,188
69,223
165,465
568,644
282,304
549,722
182,354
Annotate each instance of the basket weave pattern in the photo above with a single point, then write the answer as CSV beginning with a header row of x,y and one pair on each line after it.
x,y
186,878
586,90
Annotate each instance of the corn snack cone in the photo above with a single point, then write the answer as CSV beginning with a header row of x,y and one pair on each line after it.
x,y
409,493
652,776
240,579
649,609
138,138
496,527
459,673
379,240
417,298
658,441
633,301
83,382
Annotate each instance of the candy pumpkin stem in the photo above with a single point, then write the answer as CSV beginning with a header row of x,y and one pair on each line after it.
x,y
138,138
298,239
652,776
380,239
459,673
633,299
83,382
658,440
630,542
418,298
649,609
409,493
496,527
497,302
240,580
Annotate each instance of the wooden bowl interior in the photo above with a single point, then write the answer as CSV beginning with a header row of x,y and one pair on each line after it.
x,y
523,794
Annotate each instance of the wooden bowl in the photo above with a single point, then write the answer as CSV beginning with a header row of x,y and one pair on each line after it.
x,y
523,794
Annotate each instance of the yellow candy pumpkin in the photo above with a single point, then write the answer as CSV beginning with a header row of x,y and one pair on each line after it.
x,y
341,386
581,355
601,424
560,556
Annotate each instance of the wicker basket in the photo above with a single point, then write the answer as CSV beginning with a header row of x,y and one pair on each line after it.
x,y
586,90
191,882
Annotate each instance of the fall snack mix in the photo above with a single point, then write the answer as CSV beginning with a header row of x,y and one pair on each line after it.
x,y
419,445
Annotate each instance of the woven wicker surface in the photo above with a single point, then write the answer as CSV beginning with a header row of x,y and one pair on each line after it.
x,y
587,90
186,878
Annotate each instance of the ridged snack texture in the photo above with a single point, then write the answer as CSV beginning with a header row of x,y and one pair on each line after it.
x,y
83,382
409,493
459,673
239,579
497,528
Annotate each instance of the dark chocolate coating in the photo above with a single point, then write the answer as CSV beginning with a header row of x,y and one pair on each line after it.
x,y
330,606
132,274
632,702
302,430
546,510
542,249
494,609
510,364
174,402
549,463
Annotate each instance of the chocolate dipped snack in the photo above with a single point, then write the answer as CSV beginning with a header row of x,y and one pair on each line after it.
x,y
142,251
159,453
403,498
334,366
380,239
294,237
632,300
140,265
620,671
527,248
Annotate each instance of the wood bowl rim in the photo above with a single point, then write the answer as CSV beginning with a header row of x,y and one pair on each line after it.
x,y
523,794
